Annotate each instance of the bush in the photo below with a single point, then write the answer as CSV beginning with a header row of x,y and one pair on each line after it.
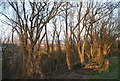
x,y
53,63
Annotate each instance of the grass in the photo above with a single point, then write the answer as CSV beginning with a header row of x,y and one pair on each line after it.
x,y
0,70
111,72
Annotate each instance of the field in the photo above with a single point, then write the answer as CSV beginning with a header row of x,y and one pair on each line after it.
x,y
0,64
54,67
111,73
52,71
0,70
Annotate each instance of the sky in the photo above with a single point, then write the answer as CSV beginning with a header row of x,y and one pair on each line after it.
x,y
7,28
63,0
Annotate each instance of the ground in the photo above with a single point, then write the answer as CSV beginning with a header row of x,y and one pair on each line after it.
x,y
79,73
0,70
111,73
0,64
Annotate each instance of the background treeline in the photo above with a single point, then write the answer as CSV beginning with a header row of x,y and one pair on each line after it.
x,y
89,29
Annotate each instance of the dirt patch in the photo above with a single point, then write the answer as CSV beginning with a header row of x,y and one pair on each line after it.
x,y
78,74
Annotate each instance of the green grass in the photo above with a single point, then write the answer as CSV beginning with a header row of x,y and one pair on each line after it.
x,y
111,72
0,70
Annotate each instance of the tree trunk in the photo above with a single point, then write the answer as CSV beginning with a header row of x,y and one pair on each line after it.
x,y
68,55
47,42
67,41
53,41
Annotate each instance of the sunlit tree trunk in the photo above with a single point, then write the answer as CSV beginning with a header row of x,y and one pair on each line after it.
x,y
47,41
67,41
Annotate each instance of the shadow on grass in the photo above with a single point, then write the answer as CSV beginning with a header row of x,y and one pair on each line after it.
x,y
111,72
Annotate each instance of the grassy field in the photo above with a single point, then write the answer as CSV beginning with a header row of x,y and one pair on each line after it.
x,y
112,72
0,70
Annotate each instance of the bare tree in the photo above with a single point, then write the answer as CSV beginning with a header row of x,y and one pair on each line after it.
x,y
54,32
29,25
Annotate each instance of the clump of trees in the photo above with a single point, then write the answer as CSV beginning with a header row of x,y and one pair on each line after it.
x,y
88,28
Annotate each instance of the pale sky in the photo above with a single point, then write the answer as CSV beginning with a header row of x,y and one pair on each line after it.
x,y
6,28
